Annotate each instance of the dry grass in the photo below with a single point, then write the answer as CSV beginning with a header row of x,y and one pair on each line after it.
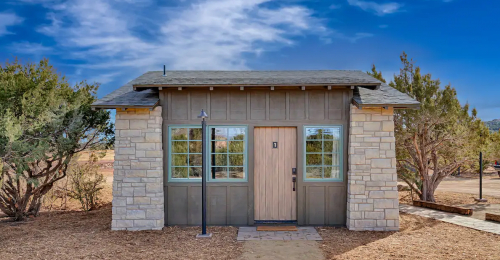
x,y
447,198
419,238
78,235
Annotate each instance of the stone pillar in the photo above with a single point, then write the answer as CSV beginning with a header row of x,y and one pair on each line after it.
x,y
138,201
372,202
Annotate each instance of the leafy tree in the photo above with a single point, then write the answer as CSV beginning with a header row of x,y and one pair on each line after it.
x,y
376,74
44,122
433,141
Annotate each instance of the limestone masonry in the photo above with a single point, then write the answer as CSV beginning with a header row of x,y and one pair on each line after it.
x,y
138,201
372,199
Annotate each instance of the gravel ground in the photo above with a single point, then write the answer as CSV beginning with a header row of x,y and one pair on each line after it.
x,y
76,235
419,238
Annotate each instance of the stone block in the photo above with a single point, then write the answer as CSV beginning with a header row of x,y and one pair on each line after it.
x,y
123,223
358,159
392,214
121,124
138,124
153,137
145,146
383,203
388,126
372,153
365,223
356,189
130,133
372,126
374,215
381,163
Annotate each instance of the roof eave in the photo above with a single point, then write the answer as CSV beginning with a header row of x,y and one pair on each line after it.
x,y
395,106
121,106
375,86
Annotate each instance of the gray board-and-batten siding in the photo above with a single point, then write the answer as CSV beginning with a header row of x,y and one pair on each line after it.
x,y
231,203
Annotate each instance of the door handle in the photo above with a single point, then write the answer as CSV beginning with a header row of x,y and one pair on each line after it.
x,y
294,180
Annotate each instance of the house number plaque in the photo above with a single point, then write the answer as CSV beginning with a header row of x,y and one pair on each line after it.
x,y
275,144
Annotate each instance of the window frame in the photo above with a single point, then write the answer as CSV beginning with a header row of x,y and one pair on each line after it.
x,y
245,154
341,154
207,150
169,165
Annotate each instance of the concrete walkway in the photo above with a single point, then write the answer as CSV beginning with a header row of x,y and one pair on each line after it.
x,y
281,250
469,222
302,233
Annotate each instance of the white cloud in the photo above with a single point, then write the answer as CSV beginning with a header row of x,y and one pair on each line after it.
x,y
8,19
206,35
378,9
30,48
114,38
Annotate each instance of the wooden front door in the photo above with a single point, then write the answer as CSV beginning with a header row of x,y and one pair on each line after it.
x,y
275,158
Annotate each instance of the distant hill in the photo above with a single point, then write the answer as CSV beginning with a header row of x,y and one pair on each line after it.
x,y
493,125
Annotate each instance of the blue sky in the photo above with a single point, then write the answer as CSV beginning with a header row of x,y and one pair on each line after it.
x,y
114,41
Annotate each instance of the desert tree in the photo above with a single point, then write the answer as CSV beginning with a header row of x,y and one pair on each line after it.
x,y
433,141
44,123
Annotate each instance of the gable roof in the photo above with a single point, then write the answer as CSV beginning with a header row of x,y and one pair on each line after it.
x,y
256,78
386,96
368,91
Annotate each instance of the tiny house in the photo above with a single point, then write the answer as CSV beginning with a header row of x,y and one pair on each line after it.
x,y
304,147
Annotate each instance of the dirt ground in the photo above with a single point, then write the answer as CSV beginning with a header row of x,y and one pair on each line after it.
x,y
78,235
281,250
419,238
462,200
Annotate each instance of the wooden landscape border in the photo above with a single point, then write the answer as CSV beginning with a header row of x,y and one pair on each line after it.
x,y
492,217
446,208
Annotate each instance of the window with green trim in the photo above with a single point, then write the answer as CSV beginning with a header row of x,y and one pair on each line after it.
x,y
227,152
185,152
323,153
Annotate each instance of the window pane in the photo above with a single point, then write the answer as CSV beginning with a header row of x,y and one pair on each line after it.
x,y
236,173
195,147
313,133
179,160
219,133
219,159
219,172
195,159
179,133
236,146
330,146
195,134
237,134
313,159
328,133
195,172
332,172
313,146
327,159
313,172
219,146
179,172
179,147
236,159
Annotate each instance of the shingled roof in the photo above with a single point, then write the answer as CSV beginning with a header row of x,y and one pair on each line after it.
x,y
367,92
257,78
386,96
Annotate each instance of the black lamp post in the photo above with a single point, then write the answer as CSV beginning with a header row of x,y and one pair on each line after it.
x,y
480,199
203,234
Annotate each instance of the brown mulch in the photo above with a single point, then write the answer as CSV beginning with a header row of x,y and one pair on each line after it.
x,y
79,235
419,238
